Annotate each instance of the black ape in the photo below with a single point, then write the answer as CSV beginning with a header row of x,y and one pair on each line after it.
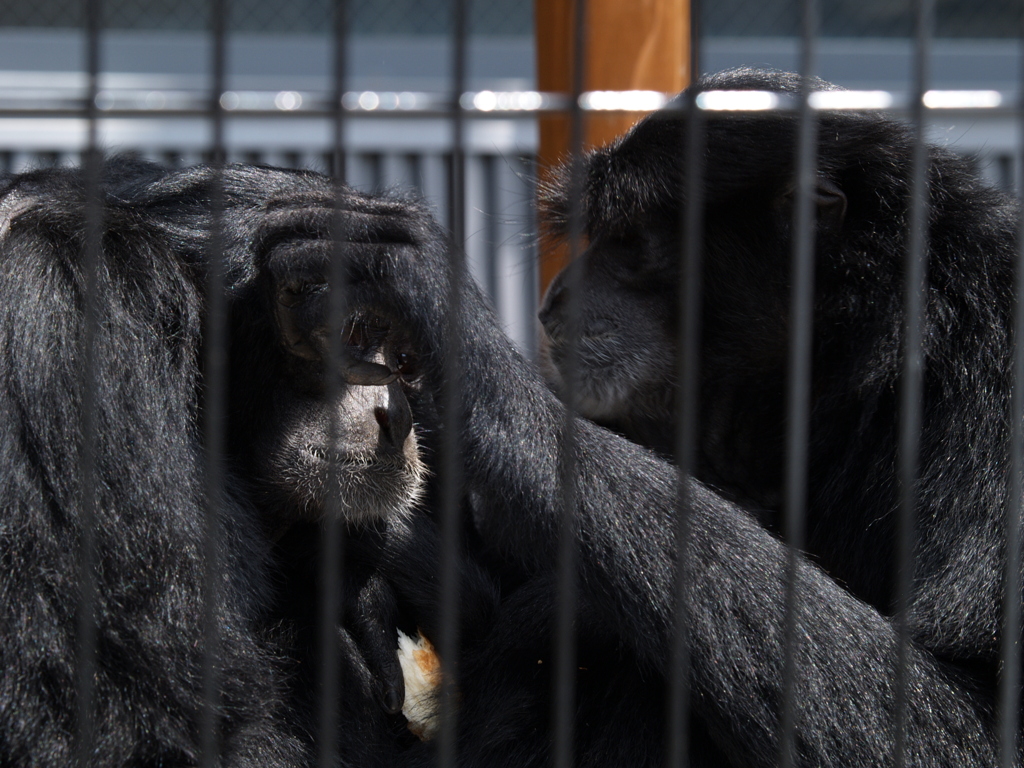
x,y
149,499
626,497
150,506
280,444
280,334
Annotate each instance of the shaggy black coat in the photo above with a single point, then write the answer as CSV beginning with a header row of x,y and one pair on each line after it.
x,y
285,217
625,498
150,512
149,533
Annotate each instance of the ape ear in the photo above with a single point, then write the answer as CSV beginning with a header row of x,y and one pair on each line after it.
x,y
829,202
12,206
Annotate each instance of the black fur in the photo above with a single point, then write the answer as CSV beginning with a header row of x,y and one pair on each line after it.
x,y
279,225
149,532
625,497
149,497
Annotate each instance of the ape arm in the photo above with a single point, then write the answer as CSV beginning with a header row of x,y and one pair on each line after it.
x,y
735,596
624,518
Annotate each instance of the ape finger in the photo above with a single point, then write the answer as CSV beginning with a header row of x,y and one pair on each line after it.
x,y
374,623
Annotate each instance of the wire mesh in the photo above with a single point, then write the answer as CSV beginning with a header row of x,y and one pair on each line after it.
x,y
458,107
398,17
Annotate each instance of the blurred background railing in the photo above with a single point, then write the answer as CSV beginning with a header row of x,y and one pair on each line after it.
x,y
162,47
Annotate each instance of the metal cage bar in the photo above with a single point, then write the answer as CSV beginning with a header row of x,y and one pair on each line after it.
x,y
87,631
566,581
678,705
451,444
1009,703
688,375
332,553
215,385
915,296
798,380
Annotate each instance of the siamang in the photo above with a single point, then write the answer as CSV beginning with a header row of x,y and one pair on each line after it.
x,y
625,497
283,436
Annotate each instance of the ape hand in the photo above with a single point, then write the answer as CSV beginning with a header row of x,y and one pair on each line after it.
x,y
372,619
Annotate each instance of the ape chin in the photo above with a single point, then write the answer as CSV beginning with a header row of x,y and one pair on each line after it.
x,y
305,475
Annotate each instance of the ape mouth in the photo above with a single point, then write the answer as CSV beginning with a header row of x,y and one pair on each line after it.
x,y
563,340
600,351
343,459
367,485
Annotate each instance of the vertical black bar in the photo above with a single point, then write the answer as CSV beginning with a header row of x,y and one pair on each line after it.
x,y
89,592
695,40
564,692
492,229
913,365
340,80
799,376
689,292
215,379
687,373
1009,681
451,444
332,554
457,185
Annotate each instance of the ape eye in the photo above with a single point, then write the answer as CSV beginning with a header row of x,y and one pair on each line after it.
x,y
407,367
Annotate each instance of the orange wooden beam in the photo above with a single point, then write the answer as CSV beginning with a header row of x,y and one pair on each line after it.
x,y
629,45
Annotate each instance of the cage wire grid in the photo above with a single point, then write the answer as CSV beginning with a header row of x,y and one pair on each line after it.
x,y
97,103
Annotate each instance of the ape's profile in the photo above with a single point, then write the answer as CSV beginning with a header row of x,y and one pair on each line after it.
x,y
625,498
150,508
628,279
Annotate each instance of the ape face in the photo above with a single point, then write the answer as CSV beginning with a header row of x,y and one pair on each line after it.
x,y
625,286
358,445
623,353
315,445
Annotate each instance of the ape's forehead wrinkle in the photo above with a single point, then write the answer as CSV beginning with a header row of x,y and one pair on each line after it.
x,y
299,203
319,223
344,199
13,205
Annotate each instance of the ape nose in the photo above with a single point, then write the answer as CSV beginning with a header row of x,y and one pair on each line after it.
x,y
394,417
551,309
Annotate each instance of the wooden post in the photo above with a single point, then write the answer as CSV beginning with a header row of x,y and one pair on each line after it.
x,y
630,45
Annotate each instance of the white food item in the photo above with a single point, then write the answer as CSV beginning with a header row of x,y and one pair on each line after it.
x,y
421,669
